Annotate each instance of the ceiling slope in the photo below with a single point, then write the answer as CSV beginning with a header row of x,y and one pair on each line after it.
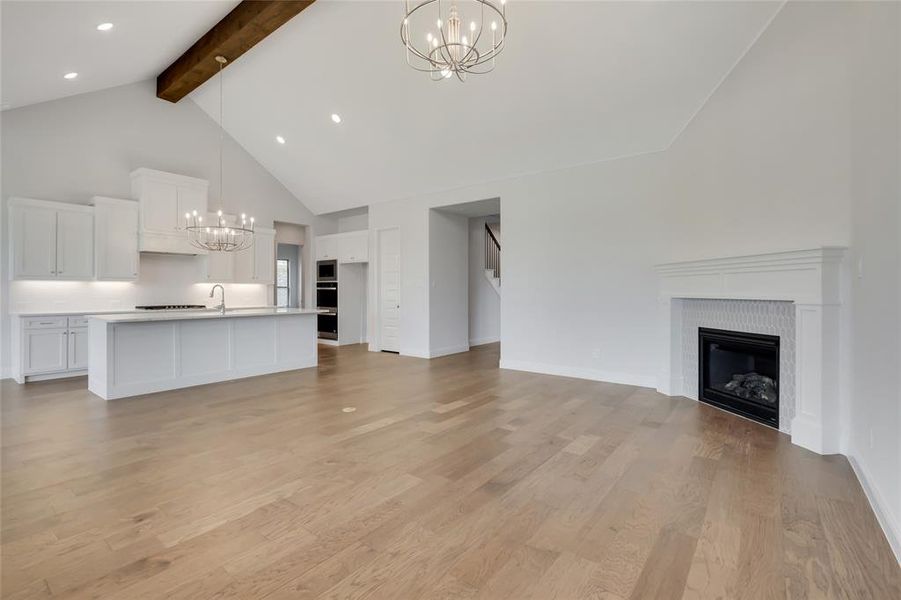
x,y
578,82
41,41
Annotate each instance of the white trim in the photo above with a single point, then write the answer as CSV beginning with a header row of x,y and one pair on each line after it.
x,y
448,350
635,379
484,340
375,333
890,527
57,375
809,278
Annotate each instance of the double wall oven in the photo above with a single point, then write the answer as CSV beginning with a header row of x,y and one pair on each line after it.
x,y
327,298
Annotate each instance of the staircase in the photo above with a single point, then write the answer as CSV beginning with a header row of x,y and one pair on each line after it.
x,y
492,259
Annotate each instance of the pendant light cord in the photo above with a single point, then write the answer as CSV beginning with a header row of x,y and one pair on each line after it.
x,y
221,61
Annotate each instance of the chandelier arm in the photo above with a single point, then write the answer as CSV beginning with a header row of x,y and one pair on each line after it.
x,y
442,59
472,48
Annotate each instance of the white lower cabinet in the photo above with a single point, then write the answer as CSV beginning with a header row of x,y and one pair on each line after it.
x,y
50,346
45,351
77,358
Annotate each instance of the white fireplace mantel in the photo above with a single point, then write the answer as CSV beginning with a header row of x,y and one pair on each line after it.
x,y
811,279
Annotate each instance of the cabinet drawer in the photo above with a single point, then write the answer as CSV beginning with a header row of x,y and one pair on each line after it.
x,y
78,321
44,322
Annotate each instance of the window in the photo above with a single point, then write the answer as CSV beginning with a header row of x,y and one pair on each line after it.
x,y
282,282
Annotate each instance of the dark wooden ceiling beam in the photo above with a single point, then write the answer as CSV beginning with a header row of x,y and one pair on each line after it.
x,y
239,31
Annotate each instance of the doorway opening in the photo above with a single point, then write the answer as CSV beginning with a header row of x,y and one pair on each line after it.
x,y
479,275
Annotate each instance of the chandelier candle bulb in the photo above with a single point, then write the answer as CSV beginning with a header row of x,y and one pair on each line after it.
x,y
447,52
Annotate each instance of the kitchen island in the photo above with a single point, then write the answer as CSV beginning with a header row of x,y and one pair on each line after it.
x,y
140,353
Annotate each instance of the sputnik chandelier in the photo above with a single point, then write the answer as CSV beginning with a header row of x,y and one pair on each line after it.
x,y
222,235
448,38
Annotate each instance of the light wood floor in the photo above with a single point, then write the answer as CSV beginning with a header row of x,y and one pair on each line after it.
x,y
452,479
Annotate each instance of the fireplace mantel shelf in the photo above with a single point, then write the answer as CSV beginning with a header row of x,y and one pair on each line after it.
x,y
801,276
811,279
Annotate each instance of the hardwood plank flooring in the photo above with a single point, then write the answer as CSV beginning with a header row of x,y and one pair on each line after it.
x,y
451,479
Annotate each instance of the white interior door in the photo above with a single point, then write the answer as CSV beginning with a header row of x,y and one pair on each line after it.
x,y
389,290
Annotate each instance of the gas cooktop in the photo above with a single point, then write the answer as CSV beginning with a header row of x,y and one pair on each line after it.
x,y
171,307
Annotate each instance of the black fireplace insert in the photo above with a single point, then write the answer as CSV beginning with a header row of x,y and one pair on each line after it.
x,y
739,372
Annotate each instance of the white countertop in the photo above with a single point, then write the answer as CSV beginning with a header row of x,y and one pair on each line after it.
x,y
112,311
147,316
70,313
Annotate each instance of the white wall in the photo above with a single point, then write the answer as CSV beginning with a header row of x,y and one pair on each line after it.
x,y
484,301
357,222
448,283
793,143
77,147
875,186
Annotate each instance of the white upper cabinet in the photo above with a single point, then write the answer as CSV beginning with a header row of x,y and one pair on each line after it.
x,y
159,206
326,247
164,199
32,232
243,265
349,247
116,238
189,200
353,247
75,244
257,263
51,240
264,257
219,267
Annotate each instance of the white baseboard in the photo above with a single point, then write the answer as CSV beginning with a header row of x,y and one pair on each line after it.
x,y
448,350
880,507
484,340
580,373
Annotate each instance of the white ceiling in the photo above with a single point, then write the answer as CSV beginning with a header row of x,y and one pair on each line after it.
x,y
577,82
41,41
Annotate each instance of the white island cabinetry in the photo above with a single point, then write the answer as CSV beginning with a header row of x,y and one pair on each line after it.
x,y
135,354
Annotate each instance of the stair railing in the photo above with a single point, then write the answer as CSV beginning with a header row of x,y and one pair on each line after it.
x,y
492,252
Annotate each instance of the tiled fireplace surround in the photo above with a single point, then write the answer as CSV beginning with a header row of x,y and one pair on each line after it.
x,y
795,295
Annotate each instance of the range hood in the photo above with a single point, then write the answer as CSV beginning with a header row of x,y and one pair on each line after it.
x,y
164,198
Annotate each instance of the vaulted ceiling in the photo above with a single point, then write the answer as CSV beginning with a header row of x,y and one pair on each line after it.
x,y
41,41
578,82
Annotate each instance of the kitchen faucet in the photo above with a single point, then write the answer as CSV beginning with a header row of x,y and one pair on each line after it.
x,y
221,306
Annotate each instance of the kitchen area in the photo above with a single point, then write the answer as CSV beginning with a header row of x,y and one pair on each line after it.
x,y
116,290
342,261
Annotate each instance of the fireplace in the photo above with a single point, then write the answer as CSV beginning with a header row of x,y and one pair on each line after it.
x,y
739,372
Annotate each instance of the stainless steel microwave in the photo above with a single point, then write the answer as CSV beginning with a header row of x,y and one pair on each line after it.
x,y
327,270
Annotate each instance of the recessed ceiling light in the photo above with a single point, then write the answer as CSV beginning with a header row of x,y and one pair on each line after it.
x,y
71,75
104,27
336,118
279,139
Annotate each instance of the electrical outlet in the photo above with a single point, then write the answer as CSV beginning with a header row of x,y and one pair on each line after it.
x,y
596,354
